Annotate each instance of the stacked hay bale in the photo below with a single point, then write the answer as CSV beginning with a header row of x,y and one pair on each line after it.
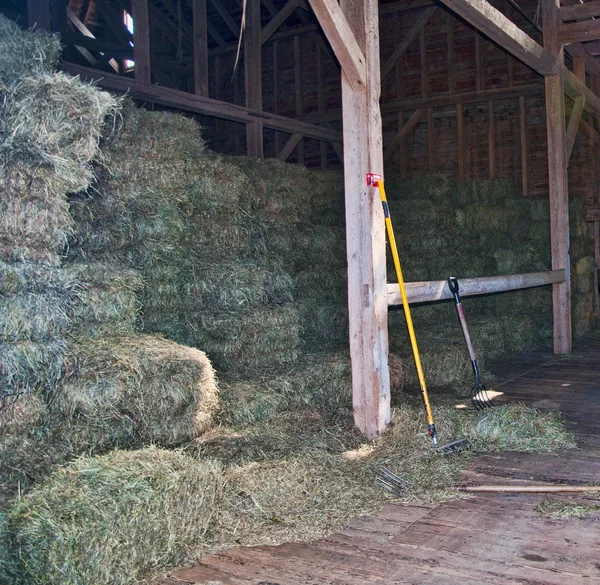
x,y
74,375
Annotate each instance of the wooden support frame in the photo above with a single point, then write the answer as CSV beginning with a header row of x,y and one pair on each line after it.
x,y
141,41
573,127
356,27
558,188
343,42
289,147
437,290
397,140
200,47
202,105
253,78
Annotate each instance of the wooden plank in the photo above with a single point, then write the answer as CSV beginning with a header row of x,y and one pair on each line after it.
x,y
508,35
200,47
202,105
269,29
365,233
523,133
399,138
579,67
298,86
471,97
579,32
289,147
406,41
253,78
492,141
478,63
321,101
141,41
573,126
558,189
580,11
460,142
342,40
437,290
38,14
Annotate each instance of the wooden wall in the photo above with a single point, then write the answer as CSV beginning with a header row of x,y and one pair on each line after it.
x,y
446,60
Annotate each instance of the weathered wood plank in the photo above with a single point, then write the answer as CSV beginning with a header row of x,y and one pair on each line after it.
x,y
399,138
343,41
523,134
253,78
579,32
141,41
269,29
200,47
437,290
580,11
573,125
289,147
365,233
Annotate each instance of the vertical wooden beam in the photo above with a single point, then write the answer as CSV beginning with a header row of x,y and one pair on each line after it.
x,y
558,188
402,147
321,101
492,141
579,67
38,14
597,266
253,74
523,132
58,15
141,41
200,48
451,64
478,61
460,141
276,102
298,84
423,54
365,233
430,142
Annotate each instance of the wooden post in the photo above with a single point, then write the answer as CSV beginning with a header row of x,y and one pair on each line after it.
x,y
38,14
253,73
200,48
558,189
492,141
523,133
365,233
298,84
141,41
460,141
430,142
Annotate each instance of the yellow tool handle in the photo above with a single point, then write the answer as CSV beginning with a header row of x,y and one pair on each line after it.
x,y
407,315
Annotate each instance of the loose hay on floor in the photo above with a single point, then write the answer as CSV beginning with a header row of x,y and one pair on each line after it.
x,y
112,520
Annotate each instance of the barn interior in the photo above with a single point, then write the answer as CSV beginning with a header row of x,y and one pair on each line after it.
x,y
205,363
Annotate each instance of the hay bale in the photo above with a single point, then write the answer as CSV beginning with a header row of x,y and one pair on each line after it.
x,y
55,120
582,277
132,391
320,381
25,53
247,341
230,286
114,519
583,314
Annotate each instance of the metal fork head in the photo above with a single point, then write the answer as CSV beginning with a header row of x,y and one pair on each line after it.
x,y
391,482
480,397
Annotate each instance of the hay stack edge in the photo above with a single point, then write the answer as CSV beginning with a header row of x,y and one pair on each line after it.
x,y
136,265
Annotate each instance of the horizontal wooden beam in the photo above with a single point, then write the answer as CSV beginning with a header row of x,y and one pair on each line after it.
x,y
578,32
491,22
437,290
200,104
342,40
580,11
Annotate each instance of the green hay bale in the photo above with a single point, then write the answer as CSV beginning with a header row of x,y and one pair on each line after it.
x,y
55,120
324,325
328,285
108,301
232,286
301,245
114,519
131,391
29,366
246,341
25,53
320,381
429,187
34,214
582,277
34,317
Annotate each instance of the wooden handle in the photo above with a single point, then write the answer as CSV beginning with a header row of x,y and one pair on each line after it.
x,y
537,489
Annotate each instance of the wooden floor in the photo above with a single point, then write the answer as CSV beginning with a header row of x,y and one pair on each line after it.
x,y
495,539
